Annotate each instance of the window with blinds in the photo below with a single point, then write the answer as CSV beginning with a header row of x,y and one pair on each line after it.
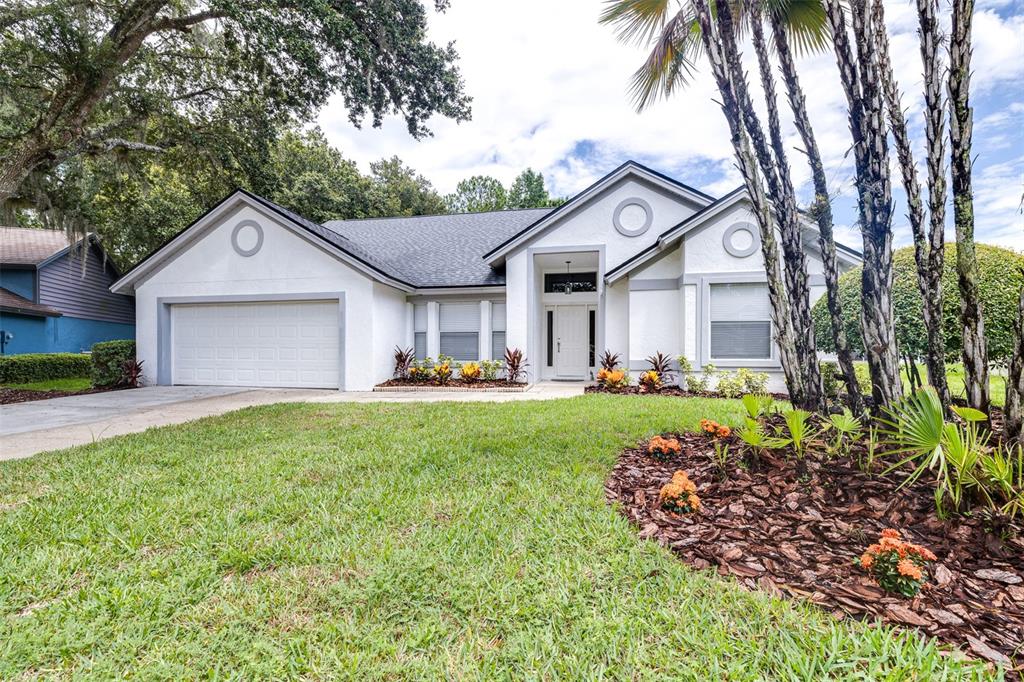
x,y
741,327
460,331
419,330
497,331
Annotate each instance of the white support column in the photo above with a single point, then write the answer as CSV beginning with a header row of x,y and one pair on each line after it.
x,y
485,331
433,329
410,325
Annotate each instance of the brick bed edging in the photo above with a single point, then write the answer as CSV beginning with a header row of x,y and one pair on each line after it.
x,y
450,389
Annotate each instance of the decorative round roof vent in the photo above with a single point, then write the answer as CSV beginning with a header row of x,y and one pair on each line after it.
x,y
741,240
633,217
247,238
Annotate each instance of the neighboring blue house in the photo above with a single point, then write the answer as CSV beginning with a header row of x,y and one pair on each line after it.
x,y
55,296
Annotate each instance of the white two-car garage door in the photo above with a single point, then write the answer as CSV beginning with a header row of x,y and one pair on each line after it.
x,y
280,344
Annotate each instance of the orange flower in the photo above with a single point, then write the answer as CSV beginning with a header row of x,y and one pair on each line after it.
x,y
867,559
891,533
723,431
693,501
922,552
909,569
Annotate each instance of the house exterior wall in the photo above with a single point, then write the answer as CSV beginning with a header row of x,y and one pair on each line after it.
x,y
21,281
591,228
59,334
286,264
79,287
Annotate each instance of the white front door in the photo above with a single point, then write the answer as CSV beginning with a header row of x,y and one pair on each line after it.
x,y
571,341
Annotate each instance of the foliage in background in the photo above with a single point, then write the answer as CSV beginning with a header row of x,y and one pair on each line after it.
x,y
1000,280
118,80
108,362
484,193
33,367
135,205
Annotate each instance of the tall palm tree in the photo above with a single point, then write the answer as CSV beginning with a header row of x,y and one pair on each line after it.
x,y
821,210
1013,410
928,245
679,34
975,352
860,79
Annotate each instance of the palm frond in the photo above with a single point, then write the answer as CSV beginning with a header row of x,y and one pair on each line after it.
x,y
670,63
804,22
636,21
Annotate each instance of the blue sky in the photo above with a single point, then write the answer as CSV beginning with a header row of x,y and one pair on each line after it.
x,y
549,88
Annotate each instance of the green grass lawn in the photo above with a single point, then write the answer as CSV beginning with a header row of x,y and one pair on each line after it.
x,y
68,384
389,541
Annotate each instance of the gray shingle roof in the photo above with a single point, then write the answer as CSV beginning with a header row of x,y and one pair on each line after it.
x,y
436,250
24,246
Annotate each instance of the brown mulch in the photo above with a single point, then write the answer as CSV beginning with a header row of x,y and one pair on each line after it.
x,y
672,391
798,537
454,383
19,395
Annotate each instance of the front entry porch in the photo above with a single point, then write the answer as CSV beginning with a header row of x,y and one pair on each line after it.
x,y
568,290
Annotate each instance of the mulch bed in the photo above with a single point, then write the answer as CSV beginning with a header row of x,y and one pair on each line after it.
x,y
672,391
454,383
18,395
798,537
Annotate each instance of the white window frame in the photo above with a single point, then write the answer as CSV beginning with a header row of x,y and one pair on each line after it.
x,y
772,361
466,322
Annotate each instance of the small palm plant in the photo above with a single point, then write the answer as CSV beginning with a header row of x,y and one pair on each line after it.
x,y
847,428
800,433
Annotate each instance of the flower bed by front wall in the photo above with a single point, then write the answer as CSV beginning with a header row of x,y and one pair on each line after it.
x,y
455,385
795,536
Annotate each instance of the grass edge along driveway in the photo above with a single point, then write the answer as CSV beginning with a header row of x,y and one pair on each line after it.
x,y
389,541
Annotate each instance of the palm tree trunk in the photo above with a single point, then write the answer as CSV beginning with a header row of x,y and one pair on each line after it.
x,y
792,239
1013,410
747,164
928,279
871,156
975,353
821,210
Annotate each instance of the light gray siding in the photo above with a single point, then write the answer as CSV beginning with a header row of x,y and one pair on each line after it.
x,y
83,292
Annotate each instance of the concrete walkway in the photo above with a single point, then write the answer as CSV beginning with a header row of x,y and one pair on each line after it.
x,y
38,426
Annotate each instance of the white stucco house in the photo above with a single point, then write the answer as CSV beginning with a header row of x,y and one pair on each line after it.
x,y
252,294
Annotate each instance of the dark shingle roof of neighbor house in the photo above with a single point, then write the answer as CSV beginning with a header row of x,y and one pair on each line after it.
x,y
437,250
11,302
27,246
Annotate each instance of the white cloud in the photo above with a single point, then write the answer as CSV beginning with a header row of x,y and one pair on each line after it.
x,y
549,86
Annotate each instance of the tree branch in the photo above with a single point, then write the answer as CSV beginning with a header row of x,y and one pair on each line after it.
x,y
184,23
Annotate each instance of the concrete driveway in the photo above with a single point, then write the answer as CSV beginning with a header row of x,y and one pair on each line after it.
x,y
40,425
29,428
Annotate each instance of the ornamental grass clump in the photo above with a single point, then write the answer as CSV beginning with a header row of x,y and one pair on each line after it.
x,y
679,495
663,448
896,565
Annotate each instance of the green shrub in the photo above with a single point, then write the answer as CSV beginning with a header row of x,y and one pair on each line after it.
x,y
31,367
1000,280
108,358
830,378
753,382
730,385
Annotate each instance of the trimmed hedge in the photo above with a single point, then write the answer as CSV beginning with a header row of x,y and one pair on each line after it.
x,y
999,279
32,367
108,358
